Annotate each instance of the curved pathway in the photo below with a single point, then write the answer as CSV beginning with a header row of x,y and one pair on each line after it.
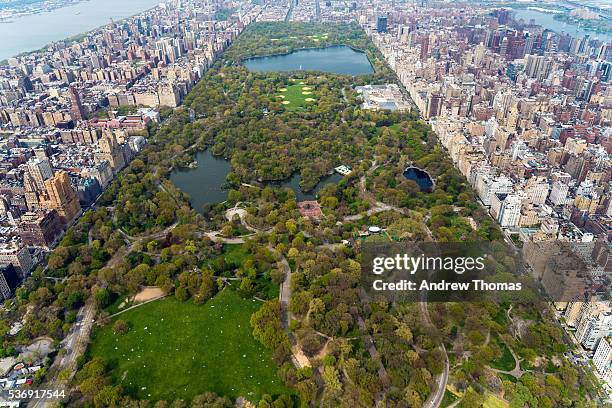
x,y
241,213
435,397
298,358
137,305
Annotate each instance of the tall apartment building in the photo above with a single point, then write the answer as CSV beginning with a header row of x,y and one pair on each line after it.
x,y
581,309
8,280
32,193
558,193
560,188
41,229
62,197
537,190
538,66
381,24
77,112
487,185
111,151
434,104
37,172
594,322
424,48
603,358
40,170
506,209
17,255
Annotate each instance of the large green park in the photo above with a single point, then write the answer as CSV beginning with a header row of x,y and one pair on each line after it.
x,y
178,350
145,233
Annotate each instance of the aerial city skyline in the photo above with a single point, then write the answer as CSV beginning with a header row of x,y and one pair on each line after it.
x,y
189,197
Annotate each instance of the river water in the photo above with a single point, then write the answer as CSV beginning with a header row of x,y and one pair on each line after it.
x,y
547,20
33,32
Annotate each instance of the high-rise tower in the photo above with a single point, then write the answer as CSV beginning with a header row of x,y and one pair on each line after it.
x,y
77,112
63,197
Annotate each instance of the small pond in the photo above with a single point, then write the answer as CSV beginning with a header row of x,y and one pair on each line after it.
x,y
421,177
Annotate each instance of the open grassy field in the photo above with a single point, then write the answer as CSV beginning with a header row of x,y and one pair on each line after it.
x,y
179,350
296,97
235,253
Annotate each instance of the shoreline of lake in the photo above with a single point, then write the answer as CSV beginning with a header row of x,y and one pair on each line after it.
x,y
205,183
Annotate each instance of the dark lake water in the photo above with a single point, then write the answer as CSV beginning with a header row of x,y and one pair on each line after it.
x,y
421,177
337,59
294,184
204,184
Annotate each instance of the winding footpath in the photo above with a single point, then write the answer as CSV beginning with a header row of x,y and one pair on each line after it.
x,y
435,398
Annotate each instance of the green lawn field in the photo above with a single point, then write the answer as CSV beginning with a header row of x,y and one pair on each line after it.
x,y
296,95
179,350
235,253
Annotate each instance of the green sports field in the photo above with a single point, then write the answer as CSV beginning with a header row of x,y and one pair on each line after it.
x,y
179,350
296,97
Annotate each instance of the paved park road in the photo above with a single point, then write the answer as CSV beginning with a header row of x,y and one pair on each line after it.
x,y
74,345
435,398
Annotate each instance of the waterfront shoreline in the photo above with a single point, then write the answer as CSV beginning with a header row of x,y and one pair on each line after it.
x,y
69,11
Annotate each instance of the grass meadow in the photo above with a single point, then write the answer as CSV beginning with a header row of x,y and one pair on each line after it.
x,y
179,350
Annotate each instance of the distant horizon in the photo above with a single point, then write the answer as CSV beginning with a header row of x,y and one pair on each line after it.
x,y
19,35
